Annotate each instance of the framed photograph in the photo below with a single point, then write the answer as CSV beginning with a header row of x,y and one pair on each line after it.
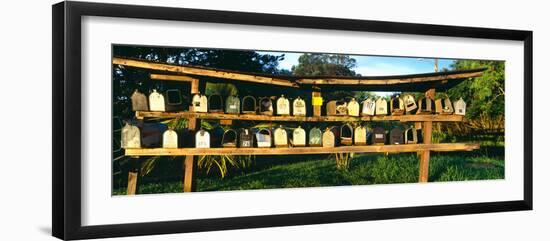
x,y
170,120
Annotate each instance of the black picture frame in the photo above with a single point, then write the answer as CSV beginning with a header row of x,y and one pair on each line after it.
x,y
66,127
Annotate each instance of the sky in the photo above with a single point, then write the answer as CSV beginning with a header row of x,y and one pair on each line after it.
x,y
377,65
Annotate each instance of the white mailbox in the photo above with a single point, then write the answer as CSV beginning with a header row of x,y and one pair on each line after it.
x,y
156,101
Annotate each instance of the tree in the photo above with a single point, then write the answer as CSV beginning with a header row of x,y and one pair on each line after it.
x,y
325,64
484,95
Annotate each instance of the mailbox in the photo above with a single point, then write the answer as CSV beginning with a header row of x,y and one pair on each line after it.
x,y
369,107
130,137
360,136
174,100
266,106
353,107
170,139
215,103
281,137
229,138
199,103
283,106
151,133
413,136
460,107
299,137
156,101
139,101
444,106
246,138
263,138
397,106
299,107
337,107
346,135
233,105
249,105
396,136
381,106
329,138
202,139
410,103
426,105
315,137
378,136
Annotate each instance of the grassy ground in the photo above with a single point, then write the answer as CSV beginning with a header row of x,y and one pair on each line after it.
x,y
316,171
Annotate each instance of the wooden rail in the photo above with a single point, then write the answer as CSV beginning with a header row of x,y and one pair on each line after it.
x,y
301,150
252,117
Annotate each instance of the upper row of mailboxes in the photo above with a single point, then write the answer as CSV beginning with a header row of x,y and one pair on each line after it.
x,y
172,100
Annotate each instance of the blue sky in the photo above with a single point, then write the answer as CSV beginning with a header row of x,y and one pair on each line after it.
x,y
377,65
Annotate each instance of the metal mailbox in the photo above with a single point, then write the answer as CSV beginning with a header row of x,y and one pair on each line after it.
x,y
329,138
170,139
263,138
229,138
426,105
215,103
299,137
174,100
139,101
266,106
315,137
410,103
199,103
233,105
202,139
360,136
337,107
381,106
283,106
397,106
249,105
299,107
460,107
130,137
156,101
346,135
281,137
369,107
396,136
353,107
378,136
413,136
444,106
246,138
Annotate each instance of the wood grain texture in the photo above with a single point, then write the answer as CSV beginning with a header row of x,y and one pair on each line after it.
x,y
224,74
132,183
302,150
222,116
388,81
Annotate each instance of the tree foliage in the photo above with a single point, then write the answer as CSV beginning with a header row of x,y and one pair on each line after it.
x,y
484,95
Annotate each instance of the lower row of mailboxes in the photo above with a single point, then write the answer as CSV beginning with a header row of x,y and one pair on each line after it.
x,y
345,135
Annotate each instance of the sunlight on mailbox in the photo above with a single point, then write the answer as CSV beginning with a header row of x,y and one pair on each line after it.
x,y
130,137
369,107
353,107
170,139
139,101
202,139
299,107
199,103
156,101
283,106
299,137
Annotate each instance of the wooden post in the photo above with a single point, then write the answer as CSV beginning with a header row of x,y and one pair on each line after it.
x,y
133,175
424,165
188,163
193,125
316,108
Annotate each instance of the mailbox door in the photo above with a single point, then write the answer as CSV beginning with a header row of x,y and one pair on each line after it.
x,y
139,101
130,136
328,139
202,139
170,139
299,107
156,101
315,137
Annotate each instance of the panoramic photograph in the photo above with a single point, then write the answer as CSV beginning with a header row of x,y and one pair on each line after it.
x,y
187,119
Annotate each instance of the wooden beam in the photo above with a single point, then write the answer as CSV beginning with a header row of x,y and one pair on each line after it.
x,y
182,78
224,74
302,150
425,154
132,182
253,117
388,81
316,108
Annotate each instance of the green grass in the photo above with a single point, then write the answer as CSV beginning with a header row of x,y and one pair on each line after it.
x,y
317,171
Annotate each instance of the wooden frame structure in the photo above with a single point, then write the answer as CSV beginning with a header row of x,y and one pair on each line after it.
x,y
427,83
